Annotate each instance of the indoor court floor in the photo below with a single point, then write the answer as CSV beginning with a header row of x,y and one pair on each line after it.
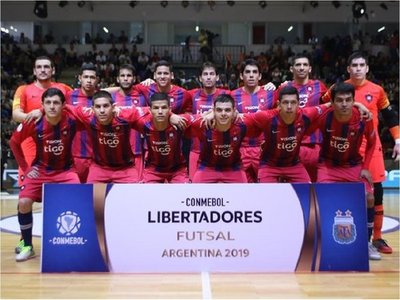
x,y
24,279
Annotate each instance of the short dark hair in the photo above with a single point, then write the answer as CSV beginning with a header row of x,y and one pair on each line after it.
x,y
207,64
355,55
249,62
44,57
224,98
127,67
298,56
88,67
159,97
342,88
163,63
50,92
103,94
288,90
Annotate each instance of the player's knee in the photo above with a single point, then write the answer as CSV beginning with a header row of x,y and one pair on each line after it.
x,y
370,200
25,205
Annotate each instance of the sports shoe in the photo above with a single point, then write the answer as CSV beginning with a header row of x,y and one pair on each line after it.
x,y
20,245
25,254
373,253
382,246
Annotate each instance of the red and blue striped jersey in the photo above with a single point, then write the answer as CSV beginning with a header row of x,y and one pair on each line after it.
x,y
180,99
133,99
202,102
310,94
342,141
164,147
281,142
220,150
111,143
53,143
82,146
250,103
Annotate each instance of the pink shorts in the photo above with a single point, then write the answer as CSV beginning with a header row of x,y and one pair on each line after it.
x,y
31,188
193,163
29,159
250,162
98,174
150,175
309,154
342,174
82,165
208,175
139,165
269,174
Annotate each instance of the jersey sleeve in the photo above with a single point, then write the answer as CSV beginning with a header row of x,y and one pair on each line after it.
x,y
327,96
19,100
22,132
187,102
79,113
383,101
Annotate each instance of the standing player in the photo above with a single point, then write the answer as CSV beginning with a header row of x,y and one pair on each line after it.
x,y
126,96
27,100
180,99
249,99
220,157
375,99
310,93
83,97
165,161
283,130
203,99
52,135
343,130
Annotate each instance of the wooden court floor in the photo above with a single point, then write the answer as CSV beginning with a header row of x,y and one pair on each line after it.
x,y
24,280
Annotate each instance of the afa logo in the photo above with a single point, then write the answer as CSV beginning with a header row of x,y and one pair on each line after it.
x,y
68,223
344,229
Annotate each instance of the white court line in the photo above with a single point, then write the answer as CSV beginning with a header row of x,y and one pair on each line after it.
x,y
205,285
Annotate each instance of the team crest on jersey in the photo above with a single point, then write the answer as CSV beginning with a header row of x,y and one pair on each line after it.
x,y
135,101
171,100
117,128
235,139
171,135
310,88
262,100
65,132
368,97
344,229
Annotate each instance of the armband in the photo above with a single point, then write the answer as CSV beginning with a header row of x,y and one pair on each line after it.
x,y
395,132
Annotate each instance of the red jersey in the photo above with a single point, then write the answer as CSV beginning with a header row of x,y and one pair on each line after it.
x,y
53,143
29,97
164,147
202,102
111,145
250,103
133,99
342,141
374,98
82,146
310,94
281,142
180,99
220,150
